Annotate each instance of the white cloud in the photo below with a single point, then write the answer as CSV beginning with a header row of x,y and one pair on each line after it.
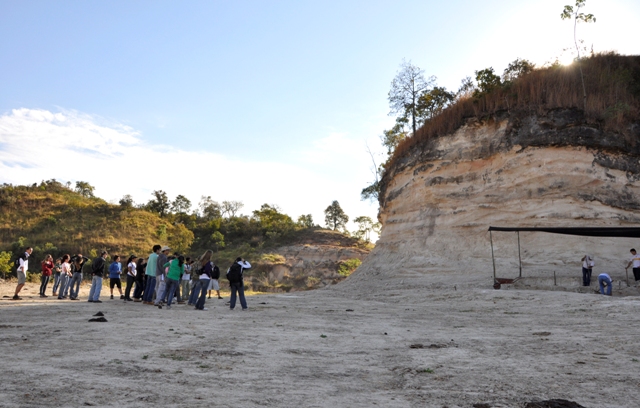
x,y
71,146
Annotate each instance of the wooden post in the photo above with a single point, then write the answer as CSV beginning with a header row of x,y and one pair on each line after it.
x,y
493,259
519,257
555,282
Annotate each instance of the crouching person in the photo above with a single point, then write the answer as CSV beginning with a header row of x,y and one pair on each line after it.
x,y
235,277
605,280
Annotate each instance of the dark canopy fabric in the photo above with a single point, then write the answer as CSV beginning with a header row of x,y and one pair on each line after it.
x,y
583,231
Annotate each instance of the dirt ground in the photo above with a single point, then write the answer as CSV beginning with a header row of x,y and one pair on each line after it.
x,y
346,346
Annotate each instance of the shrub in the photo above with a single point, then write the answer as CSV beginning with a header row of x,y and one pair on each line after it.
x,y
346,268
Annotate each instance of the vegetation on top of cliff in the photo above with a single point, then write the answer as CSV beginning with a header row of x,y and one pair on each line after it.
x,y
612,84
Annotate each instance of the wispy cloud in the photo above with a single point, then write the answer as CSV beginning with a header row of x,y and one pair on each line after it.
x,y
72,146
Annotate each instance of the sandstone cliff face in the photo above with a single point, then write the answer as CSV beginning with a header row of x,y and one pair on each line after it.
x,y
537,170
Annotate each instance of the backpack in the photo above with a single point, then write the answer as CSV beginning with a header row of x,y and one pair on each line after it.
x,y
234,274
216,272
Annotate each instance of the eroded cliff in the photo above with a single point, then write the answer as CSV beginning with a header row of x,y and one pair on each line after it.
x,y
544,169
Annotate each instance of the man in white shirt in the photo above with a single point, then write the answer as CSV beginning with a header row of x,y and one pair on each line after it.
x,y
634,261
22,271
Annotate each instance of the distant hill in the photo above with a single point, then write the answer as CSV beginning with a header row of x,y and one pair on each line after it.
x,y
56,220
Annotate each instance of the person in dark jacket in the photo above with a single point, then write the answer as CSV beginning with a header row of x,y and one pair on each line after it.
x,y
235,277
97,270
77,265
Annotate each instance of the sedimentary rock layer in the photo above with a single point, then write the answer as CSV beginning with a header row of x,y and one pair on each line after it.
x,y
548,169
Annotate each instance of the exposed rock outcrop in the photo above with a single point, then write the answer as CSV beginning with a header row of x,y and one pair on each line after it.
x,y
312,262
549,169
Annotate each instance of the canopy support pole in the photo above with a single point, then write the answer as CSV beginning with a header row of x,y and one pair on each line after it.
x,y
493,259
519,256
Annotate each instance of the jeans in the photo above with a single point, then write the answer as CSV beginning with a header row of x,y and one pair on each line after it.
x,y
127,291
602,280
96,288
172,285
44,281
149,288
184,288
203,285
75,284
239,287
195,292
64,285
161,291
586,276
137,293
56,282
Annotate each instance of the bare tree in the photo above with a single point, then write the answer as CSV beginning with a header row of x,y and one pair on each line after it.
x,y
406,89
570,13
231,208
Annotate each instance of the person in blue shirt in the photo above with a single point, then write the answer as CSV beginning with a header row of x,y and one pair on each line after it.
x,y
115,270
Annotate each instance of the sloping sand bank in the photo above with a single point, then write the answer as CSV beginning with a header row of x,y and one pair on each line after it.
x,y
471,345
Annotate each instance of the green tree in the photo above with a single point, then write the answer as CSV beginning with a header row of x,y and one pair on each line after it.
x,y
181,205
84,189
209,209
272,221
487,81
570,13
467,87
335,218
305,221
218,240
181,239
5,263
391,138
516,69
406,88
160,203
365,227
126,201
432,102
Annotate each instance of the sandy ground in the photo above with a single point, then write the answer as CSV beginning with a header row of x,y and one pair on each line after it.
x,y
347,346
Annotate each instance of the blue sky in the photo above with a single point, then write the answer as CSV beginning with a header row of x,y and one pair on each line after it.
x,y
259,101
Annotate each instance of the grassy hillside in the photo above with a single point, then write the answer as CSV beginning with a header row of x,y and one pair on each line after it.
x,y
56,220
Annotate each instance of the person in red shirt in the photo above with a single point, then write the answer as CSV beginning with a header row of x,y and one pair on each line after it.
x,y
47,270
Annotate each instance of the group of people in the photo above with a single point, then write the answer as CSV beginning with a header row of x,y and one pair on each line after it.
x,y
156,280
604,279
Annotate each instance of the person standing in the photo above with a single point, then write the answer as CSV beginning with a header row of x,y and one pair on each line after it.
x,y
634,262
77,264
587,268
21,271
605,279
185,278
205,272
56,276
235,275
65,275
97,270
176,268
215,281
161,274
150,271
131,277
47,270
115,272
140,283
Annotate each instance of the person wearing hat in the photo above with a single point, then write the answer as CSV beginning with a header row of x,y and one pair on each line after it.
x,y
97,270
131,277
161,273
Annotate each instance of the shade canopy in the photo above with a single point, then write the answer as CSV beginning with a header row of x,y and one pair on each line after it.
x,y
629,232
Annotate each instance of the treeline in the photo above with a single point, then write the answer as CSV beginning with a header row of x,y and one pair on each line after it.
x,y
57,218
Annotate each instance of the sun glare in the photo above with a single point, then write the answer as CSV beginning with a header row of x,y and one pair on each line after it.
x,y
566,59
